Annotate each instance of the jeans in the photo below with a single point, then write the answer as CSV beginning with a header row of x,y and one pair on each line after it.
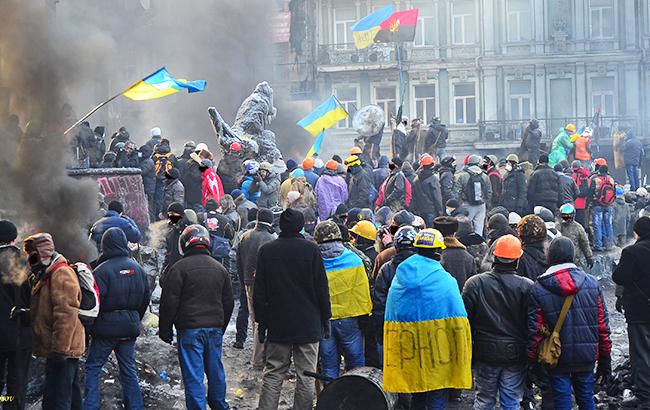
x,y
633,176
603,229
199,353
62,389
159,197
278,360
345,339
14,367
583,389
242,315
98,354
639,337
477,216
431,400
505,382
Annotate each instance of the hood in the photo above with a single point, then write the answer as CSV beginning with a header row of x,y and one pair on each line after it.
x,y
407,168
536,251
383,162
564,279
114,243
331,249
451,242
163,149
474,169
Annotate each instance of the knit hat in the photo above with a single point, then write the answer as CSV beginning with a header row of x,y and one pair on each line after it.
x,y
452,203
265,215
497,210
236,193
291,165
397,161
402,218
341,209
642,227
251,215
116,206
543,159
544,213
448,226
291,221
8,231
173,173
155,132
297,173
176,208
531,228
497,221
603,170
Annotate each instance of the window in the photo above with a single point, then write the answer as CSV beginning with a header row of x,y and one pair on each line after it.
x,y
602,95
462,22
601,18
465,103
425,101
425,30
386,98
347,96
520,99
519,22
344,19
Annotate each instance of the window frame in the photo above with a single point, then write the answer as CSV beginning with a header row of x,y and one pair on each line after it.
x,y
600,10
349,39
464,100
603,94
346,104
415,100
384,103
464,24
518,13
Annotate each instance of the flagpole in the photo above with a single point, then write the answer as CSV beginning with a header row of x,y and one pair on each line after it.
x,y
91,112
401,73
340,105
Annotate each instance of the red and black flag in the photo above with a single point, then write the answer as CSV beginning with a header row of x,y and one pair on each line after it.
x,y
400,26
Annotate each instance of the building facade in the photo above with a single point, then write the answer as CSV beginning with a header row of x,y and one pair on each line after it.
x,y
486,67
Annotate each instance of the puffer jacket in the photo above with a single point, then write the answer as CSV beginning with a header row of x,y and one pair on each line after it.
x,y
633,151
533,261
123,290
568,189
462,179
15,292
513,195
585,333
632,274
114,220
56,297
457,261
447,183
359,189
497,309
174,192
331,191
251,189
544,187
192,183
380,173
248,248
269,191
427,197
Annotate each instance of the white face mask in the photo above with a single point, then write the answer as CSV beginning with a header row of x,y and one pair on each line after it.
x,y
508,167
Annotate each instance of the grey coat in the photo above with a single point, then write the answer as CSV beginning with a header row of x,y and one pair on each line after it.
x,y
269,191
174,192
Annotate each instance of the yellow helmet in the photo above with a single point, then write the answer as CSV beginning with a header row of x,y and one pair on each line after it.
x,y
570,127
352,160
429,239
365,229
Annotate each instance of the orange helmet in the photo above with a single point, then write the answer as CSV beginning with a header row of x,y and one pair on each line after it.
x,y
508,247
426,160
308,163
331,165
355,151
600,162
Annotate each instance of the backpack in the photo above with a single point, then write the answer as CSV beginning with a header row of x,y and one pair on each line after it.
x,y
474,189
219,247
582,181
606,194
89,307
162,162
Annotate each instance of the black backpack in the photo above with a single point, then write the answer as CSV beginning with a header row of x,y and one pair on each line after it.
x,y
474,189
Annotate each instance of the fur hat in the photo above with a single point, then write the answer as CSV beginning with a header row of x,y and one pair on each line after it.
x,y
531,229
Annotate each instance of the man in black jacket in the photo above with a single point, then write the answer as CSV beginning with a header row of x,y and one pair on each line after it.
x,y
197,299
497,309
513,196
632,274
15,333
124,295
292,303
427,197
544,186
446,172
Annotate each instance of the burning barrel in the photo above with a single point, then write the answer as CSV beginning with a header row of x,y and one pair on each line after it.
x,y
120,184
358,389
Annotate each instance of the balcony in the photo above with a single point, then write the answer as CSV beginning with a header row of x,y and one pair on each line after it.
x,y
345,57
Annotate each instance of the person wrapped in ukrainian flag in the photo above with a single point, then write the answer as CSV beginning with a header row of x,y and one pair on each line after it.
x,y
427,337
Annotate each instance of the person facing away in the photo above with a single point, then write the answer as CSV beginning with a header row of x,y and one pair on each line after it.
x,y
474,190
292,307
115,218
124,295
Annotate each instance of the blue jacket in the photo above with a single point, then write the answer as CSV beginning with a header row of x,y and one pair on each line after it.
x,y
123,289
633,152
245,185
113,220
585,334
312,177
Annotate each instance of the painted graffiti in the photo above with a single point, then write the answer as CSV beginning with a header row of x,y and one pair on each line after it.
x,y
129,191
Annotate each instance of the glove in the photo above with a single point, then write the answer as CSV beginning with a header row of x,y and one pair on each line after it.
x,y
619,305
326,330
590,263
261,333
166,338
57,359
604,369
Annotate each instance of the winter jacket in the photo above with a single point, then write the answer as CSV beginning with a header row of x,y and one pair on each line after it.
x,y
581,176
409,172
497,309
229,170
496,181
197,294
447,181
251,189
462,180
172,252
14,292
544,188
531,141
380,173
359,188
55,301
300,185
148,170
331,191
248,249
585,333
633,151
620,217
457,261
114,220
560,148
427,197
568,189
533,261
192,183
269,191
211,187
123,290
311,177
382,285
291,296
243,206
513,195
595,187
632,274
174,192
395,191
578,236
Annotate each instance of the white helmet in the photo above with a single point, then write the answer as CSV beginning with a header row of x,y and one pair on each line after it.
x,y
201,146
155,132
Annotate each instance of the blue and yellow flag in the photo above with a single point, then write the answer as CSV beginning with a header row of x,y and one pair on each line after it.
x,y
427,338
365,30
348,286
323,117
316,146
161,84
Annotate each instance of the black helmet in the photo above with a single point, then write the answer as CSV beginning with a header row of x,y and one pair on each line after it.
x,y
405,237
561,250
194,235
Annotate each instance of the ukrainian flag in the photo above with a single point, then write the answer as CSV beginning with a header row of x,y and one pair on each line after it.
x,y
315,148
161,84
365,30
348,286
427,337
323,117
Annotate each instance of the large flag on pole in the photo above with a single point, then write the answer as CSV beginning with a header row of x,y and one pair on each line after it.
x,y
385,26
161,84
324,116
